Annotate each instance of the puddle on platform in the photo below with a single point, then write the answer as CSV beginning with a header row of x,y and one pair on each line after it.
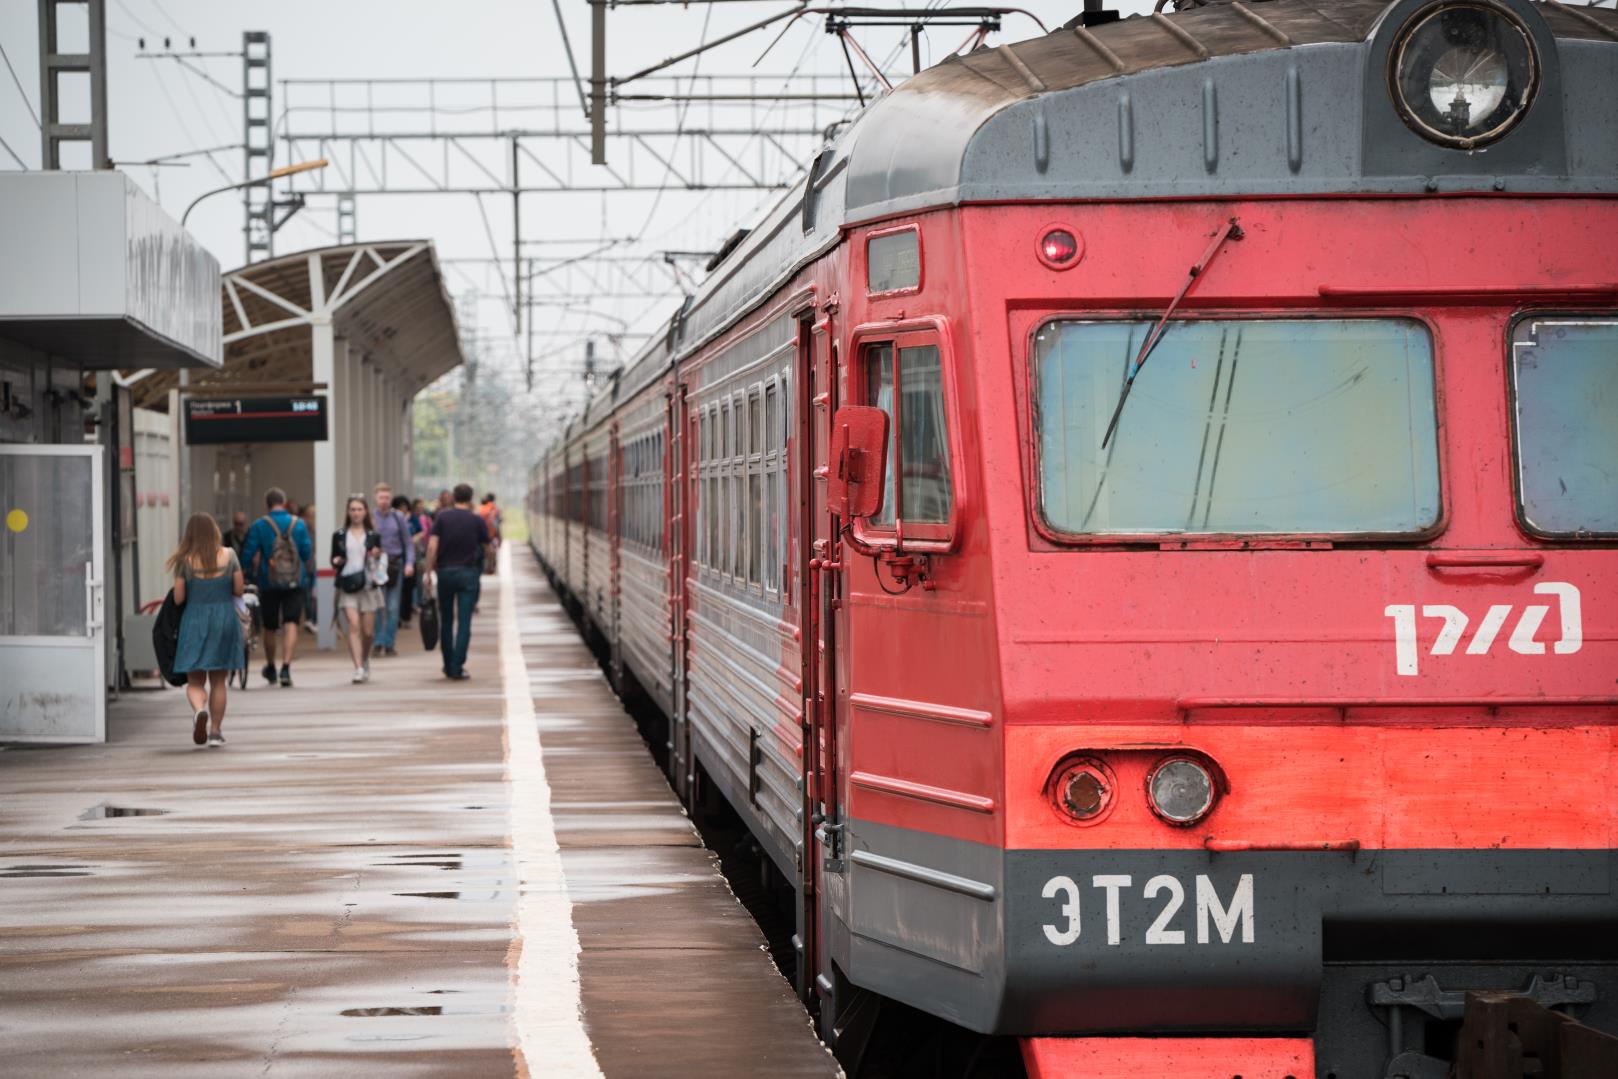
x,y
429,1009
475,896
45,871
105,812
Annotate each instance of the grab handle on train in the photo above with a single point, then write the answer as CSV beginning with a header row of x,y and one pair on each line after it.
x,y
1486,560
1243,846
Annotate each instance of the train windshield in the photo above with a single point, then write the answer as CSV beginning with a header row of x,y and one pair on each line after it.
x,y
1301,426
1564,372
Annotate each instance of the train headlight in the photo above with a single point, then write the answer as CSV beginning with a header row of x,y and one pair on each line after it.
x,y
1181,790
1083,790
1463,74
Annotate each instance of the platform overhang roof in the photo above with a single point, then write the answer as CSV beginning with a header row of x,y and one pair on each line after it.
x,y
95,275
386,300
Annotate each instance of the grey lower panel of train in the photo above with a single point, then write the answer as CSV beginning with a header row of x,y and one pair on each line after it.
x,y
1131,941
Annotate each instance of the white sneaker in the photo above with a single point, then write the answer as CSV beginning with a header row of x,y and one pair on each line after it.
x,y
359,675
365,673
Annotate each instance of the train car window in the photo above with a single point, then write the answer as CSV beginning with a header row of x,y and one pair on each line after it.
x,y
755,486
879,392
772,507
713,495
657,492
893,261
724,503
1299,427
738,467
1564,379
917,484
924,491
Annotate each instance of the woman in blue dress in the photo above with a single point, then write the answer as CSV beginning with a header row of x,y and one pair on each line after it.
x,y
207,580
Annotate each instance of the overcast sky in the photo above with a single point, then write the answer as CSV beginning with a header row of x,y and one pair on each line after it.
x,y
157,107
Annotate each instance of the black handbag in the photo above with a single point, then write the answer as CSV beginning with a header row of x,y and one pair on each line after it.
x,y
166,639
351,582
429,623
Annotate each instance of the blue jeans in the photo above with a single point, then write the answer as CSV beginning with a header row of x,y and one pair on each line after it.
x,y
387,622
458,588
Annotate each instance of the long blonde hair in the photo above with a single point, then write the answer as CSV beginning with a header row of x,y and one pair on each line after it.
x,y
199,547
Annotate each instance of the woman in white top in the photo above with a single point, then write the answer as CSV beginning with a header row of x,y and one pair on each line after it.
x,y
356,553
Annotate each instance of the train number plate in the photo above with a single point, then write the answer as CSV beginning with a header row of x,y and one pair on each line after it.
x,y
1199,911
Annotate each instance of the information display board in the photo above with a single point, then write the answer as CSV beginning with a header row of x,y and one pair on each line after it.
x,y
212,420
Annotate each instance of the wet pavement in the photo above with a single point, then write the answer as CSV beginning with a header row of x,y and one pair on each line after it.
x,y
336,891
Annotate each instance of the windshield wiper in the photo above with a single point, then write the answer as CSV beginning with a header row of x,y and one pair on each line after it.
x,y
1230,230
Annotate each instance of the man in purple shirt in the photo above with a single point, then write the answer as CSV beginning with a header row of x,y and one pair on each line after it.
x,y
394,529
456,547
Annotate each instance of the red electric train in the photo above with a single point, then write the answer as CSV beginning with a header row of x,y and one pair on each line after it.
x,y
1132,535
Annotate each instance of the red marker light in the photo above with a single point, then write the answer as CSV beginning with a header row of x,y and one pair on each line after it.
x,y
1083,790
1059,249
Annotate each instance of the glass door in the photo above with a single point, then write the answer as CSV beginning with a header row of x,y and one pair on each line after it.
x,y
52,626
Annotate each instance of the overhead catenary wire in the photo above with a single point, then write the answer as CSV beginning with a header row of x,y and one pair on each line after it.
x,y
679,123
161,10
20,162
179,117
26,103
572,64
494,248
138,21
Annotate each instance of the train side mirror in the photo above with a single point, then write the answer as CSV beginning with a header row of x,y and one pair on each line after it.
x,y
859,459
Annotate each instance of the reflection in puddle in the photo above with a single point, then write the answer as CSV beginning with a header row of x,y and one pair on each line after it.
x,y
496,896
105,812
45,871
428,1009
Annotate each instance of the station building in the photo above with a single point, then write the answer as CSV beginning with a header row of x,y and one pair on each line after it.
x,y
138,385
94,279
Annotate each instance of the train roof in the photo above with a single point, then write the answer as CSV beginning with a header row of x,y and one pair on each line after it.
x,y
1268,97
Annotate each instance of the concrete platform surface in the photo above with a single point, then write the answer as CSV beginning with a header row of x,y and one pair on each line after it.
x,y
389,879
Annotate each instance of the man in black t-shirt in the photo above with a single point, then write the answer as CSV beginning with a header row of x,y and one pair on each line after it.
x,y
456,547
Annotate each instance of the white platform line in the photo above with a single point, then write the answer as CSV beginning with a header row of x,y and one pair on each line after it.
x,y
546,1014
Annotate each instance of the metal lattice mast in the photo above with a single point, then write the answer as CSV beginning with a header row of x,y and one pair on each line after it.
x,y
258,145
53,62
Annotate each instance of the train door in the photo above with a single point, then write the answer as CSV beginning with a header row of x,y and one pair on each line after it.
x,y
680,482
819,569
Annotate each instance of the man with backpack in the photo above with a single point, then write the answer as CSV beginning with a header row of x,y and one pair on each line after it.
x,y
277,551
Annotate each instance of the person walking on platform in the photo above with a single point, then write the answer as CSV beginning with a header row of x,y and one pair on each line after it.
x,y
407,588
278,547
238,532
490,512
207,579
311,609
394,528
356,553
456,547
421,525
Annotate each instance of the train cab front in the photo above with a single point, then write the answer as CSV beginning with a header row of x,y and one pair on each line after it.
x,y
1267,727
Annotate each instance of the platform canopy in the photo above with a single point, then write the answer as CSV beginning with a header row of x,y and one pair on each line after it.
x,y
385,300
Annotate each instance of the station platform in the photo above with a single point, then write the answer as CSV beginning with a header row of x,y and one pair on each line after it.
x,y
406,878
